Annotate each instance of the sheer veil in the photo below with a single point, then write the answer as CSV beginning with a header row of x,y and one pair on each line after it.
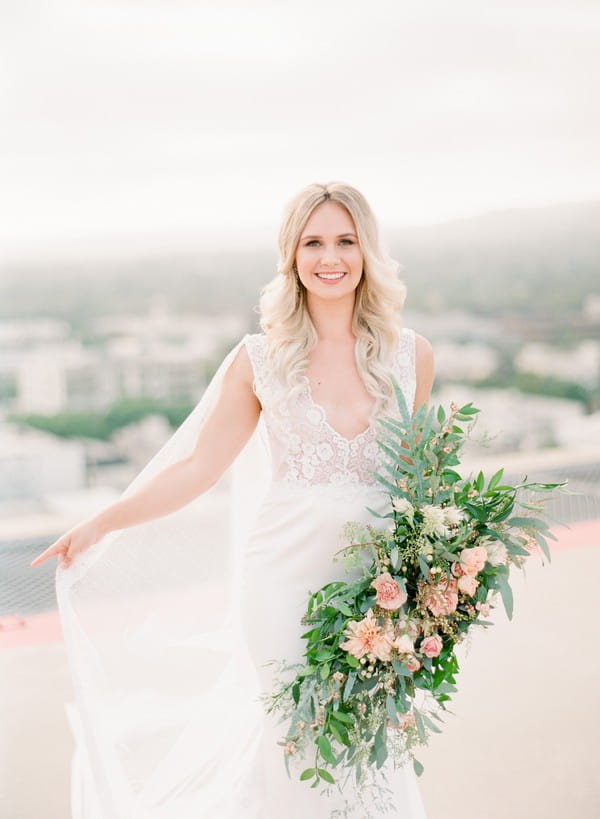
x,y
165,716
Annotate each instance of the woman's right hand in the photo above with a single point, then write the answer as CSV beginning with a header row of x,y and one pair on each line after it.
x,y
76,540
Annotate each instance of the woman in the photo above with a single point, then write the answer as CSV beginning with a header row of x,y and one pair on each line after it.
x,y
168,657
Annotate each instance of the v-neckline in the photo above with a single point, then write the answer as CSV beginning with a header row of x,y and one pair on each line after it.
x,y
320,407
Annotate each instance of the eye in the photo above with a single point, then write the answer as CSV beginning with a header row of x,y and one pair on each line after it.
x,y
313,241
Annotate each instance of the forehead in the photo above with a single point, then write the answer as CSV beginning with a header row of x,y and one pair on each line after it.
x,y
329,217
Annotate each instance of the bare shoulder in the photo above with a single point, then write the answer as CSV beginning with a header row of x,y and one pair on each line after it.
x,y
240,370
425,369
423,350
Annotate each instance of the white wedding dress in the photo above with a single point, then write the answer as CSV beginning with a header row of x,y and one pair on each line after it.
x,y
320,480
169,634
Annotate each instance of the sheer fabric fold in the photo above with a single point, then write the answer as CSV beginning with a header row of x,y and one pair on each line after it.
x,y
166,717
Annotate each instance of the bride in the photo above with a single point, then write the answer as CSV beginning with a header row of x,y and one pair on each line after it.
x,y
176,599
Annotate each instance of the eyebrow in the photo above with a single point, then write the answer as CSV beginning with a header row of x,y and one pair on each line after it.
x,y
339,236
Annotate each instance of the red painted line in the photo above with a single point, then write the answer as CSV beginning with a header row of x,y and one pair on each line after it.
x,y
31,629
37,629
581,533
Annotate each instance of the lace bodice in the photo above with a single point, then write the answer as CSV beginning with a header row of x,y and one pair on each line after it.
x,y
305,449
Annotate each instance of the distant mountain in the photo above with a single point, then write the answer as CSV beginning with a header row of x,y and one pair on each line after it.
x,y
532,260
541,261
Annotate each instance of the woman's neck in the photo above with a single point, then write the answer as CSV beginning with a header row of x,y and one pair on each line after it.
x,y
332,318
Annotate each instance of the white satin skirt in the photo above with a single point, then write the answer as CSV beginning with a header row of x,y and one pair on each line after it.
x,y
289,553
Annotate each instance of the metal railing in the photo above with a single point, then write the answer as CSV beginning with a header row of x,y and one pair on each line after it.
x,y
25,591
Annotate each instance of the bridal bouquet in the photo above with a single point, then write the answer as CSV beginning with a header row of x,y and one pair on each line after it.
x,y
380,656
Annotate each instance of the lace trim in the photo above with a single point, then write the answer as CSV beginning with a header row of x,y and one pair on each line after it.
x,y
305,448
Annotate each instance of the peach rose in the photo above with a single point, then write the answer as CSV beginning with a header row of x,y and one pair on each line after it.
x,y
404,720
412,664
468,584
413,627
389,594
431,646
483,608
472,560
456,569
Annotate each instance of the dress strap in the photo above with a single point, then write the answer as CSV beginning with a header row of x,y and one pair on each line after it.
x,y
255,345
406,365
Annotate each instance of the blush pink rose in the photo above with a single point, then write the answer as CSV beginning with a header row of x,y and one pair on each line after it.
x,y
483,608
412,664
468,584
389,594
404,720
431,646
472,560
456,569
413,628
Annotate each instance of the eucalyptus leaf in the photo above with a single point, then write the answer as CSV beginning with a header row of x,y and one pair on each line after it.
x,y
390,705
506,594
419,725
418,767
495,479
325,749
544,545
349,685
326,775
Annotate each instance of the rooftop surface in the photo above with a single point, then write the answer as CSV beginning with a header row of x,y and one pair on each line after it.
x,y
520,741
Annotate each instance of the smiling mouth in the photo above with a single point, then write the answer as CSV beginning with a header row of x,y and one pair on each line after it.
x,y
331,276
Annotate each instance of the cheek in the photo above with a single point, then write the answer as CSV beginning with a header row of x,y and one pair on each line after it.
x,y
356,258
304,258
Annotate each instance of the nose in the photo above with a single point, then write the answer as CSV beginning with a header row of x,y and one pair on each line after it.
x,y
329,260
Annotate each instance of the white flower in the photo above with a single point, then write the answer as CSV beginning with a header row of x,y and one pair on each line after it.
x,y
370,450
403,644
453,516
324,451
403,506
314,416
433,521
308,469
496,551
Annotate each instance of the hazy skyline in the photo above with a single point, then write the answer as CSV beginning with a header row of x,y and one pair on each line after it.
x,y
180,119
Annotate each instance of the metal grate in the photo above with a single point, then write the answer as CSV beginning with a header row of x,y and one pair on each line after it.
x,y
24,590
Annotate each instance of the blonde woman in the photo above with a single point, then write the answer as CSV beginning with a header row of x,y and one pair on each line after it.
x,y
167,669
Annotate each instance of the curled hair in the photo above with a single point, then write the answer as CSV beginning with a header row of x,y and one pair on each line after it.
x,y
379,297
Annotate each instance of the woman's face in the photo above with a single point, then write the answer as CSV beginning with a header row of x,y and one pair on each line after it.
x,y
329,245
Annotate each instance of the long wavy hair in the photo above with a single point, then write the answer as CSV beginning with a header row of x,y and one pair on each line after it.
x,y
379,297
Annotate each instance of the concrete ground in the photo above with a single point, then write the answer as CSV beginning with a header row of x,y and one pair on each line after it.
x,y
520,744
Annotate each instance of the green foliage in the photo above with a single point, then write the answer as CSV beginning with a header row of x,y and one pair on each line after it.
x,y
102,425
439,527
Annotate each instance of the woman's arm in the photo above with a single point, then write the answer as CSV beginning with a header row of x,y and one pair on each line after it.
x,y
223,435
425,370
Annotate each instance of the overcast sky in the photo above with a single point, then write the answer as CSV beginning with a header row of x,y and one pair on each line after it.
x,y
184,121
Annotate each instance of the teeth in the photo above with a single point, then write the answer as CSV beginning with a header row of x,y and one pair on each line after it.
x,y
330,275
